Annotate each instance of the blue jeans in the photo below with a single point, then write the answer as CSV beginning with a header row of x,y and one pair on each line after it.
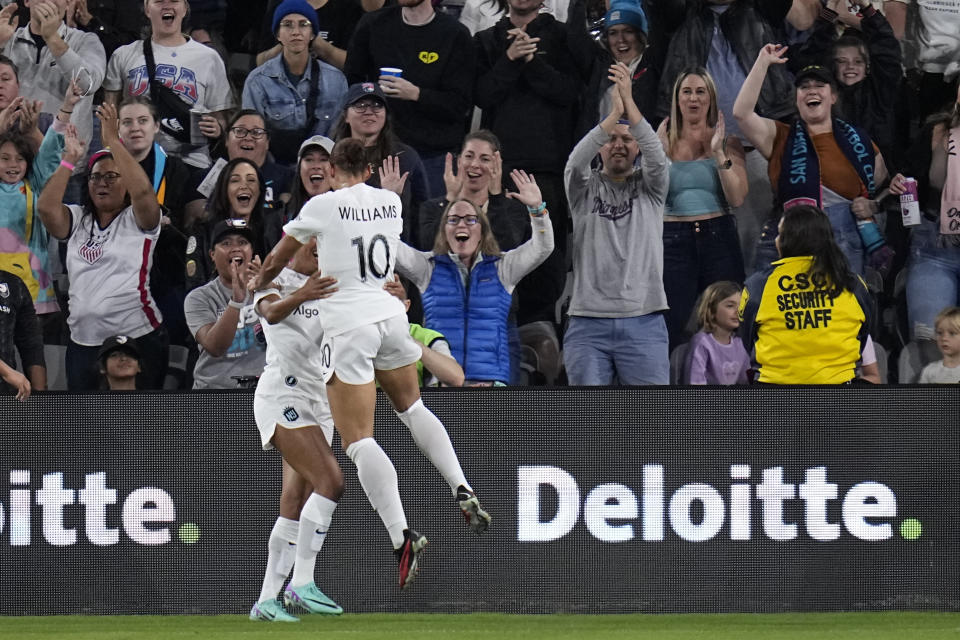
x,y
933,279
629,351
695,255
844,232
846,235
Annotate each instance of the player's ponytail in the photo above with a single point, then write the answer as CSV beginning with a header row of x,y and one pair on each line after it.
x,y
348,157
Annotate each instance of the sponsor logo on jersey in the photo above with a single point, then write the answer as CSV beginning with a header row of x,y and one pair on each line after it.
x,y
290,414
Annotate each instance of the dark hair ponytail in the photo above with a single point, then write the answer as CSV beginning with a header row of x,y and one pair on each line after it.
x,y
806,231
348,156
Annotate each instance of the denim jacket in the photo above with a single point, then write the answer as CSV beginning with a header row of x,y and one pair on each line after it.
x,y
284,107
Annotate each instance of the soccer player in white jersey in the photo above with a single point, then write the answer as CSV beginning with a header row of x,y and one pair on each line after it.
x,y
366,338
292,414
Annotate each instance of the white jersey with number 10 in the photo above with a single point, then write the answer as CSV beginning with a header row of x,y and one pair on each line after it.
x,y
358,231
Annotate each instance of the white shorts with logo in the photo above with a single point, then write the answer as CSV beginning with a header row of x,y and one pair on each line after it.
x,y
292,403
356,353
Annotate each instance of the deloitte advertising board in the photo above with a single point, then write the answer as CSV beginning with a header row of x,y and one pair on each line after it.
x,y
604,500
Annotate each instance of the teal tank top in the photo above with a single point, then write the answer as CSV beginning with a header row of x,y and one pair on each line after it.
x,y
695,189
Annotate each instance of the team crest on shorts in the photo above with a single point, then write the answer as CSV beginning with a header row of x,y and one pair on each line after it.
x,y
290,414
290,381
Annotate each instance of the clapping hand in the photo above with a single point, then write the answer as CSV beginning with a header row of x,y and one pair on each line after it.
x,y
390,178
527,190
718,141
8,22
109,125
73,146
47,15
451,180
29,114
521,45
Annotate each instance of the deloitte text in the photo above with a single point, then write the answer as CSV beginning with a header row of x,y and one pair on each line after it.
x,y
866,508
142,512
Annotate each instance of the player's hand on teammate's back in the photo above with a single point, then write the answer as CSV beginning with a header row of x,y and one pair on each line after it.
x,y
318,287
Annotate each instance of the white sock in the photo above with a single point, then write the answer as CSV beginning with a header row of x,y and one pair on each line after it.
x,y
379,481
432,439
314,523
280,556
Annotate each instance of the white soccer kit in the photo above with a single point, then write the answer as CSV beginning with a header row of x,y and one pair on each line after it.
x,y
291,391
358,231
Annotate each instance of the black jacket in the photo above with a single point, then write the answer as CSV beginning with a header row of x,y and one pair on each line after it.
x,y
869,103
530,106
748,25
19,329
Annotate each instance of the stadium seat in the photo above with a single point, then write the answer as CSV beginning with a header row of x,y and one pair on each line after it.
x,y
678,360
541,339
913,358
176,367
55,356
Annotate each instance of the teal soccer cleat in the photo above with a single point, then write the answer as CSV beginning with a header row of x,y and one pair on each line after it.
x,y
271,611
311,599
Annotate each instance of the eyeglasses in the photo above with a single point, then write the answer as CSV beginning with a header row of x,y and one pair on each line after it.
x,y
108,178
371,106
241,132
290,25
469,220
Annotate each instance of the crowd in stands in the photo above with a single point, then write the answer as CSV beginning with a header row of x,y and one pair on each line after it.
x,y
593,191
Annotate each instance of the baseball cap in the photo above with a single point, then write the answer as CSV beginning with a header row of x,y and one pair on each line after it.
x,y
97,155
816,72
118,343
626,12
323,142
231,226
364,90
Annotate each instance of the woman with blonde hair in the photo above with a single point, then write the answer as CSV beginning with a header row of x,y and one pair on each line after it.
x,y
467,284
707,177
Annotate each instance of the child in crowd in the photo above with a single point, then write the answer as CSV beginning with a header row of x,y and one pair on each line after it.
x,y
716,354
946,371
119,363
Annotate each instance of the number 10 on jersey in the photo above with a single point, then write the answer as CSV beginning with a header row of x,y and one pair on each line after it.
x,y
365,258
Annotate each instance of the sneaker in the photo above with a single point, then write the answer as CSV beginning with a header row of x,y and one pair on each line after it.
x,y
310,599
271,611
477,519
408,557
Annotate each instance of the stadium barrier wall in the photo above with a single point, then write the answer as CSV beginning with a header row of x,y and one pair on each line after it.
x,y
604,500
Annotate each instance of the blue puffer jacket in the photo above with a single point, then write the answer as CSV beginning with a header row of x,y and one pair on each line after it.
x,y
473,320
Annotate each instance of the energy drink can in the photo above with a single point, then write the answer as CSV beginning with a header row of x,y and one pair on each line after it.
x,y
909,203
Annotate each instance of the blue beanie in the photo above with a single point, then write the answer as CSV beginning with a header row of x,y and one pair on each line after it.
x,y
625,12
295,6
